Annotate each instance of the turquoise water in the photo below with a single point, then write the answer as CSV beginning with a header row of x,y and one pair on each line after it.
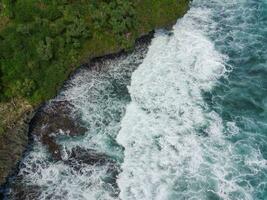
x,y
185,119
242,96
196,126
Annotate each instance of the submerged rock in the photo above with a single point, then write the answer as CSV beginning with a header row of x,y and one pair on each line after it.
x,y
25,192
79,160
55,120
79,156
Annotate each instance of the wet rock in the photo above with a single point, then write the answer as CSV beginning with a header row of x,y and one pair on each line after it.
x,y
52,146
25,192
78,159
13,144
79,156
52,121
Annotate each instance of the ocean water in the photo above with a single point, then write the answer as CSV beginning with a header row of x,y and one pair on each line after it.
x,y
98,97
184,119
196,125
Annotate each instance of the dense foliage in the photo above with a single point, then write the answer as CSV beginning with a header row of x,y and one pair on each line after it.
x,y
45,37
41,41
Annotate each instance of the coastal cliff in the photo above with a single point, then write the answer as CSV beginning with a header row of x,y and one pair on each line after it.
x,y
75,38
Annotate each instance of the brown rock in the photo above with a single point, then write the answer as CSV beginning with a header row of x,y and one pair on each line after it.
x,y
12,145
54,120
88,156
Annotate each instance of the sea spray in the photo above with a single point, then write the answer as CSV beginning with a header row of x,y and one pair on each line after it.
x,y
97,96
195,121
176,145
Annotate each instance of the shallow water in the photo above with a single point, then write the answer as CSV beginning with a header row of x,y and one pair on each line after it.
x,y
186,119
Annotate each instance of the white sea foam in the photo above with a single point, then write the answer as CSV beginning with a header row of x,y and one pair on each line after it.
x,y
175,146
99,97
61,181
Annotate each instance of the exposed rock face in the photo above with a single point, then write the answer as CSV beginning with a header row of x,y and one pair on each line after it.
x,y
14,141
55,120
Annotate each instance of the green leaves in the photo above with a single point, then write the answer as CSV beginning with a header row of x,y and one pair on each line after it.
x,y
123,21
44,39
77,29
23,29
45,49
23,88
25,10
51,13
117,17
7,8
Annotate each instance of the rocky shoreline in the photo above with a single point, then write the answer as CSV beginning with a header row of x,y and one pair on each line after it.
x,y
13,145
18,115
51,120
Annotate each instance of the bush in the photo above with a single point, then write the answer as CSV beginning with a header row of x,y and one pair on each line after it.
x,y
52,13
45,39
23,88
117,17
7,8
25,10
45,49
2,97
77,29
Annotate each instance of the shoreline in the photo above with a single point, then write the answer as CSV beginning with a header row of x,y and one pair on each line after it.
x,y
22,128
144,39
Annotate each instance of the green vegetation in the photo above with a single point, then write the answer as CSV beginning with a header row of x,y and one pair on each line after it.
x,y
43,41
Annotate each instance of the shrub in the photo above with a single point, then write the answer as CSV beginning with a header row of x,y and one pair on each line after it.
x,y
45,49
77,29
7,8
45,39
23,88
25,10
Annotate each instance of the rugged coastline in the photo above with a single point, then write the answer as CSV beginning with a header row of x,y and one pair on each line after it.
x,y
15,141
52,117
181,117
55,120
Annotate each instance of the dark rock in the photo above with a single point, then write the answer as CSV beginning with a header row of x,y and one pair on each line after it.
x,y
52,121
79,157
52,146
22,191
87,156
12,146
